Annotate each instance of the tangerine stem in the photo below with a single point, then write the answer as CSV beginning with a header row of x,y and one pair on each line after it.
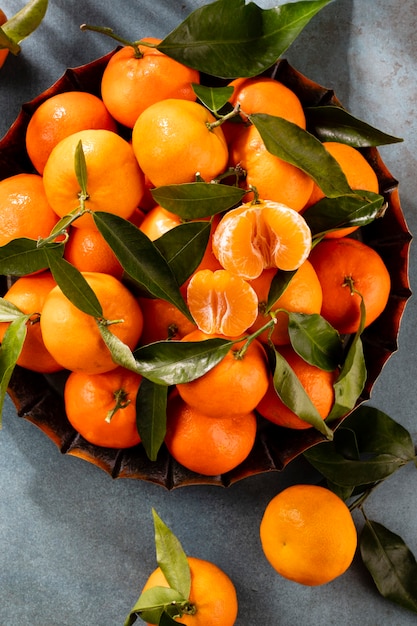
x,y
235,111
121,402
239,354
109,32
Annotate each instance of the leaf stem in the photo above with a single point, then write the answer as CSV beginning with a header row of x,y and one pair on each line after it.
x,y
109,32
233,113
239,354
121,402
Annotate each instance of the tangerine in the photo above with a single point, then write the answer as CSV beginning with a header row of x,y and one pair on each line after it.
x,y
158,221
162,320
88,251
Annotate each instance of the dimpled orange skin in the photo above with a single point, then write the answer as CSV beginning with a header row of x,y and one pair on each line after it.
x,y
212,592
73,338
308,535
130,84
173,143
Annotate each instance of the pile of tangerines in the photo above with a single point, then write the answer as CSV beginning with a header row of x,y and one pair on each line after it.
x,y
108,155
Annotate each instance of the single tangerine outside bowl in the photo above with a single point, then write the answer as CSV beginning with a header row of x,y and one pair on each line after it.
x,y
39,399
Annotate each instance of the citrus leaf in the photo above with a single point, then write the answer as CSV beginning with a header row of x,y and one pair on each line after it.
x,y
9,311
151,404
332,213
230,38
279,283
152,603
293,144
22,24
171,558
10,350
72,283
166,620
183,248
295,397
333,123
22,256
197,200
140,258
80,167
391,564
315,340
120,352
214,98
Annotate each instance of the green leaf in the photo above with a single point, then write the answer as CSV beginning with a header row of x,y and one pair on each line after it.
x,y
230,38
140,258
72,283
197,200
293,144
166,620
151,404
332,213
22,256
10,350
171,558
293,395
9,311
183,248
391,564
278,285
81,168
120,352
152,603
214,98
333,123
22,24
315,340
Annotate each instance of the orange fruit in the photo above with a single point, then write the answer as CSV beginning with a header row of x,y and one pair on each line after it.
x,y
62,115
317,383
221,302
308,534
133,82
303,294
28,293
24,208
262,94
233,386
5,51
73,336
273,178
173,143
115,183
88,251
344,263
204,444
102,407
213,594
256,236
162,320
358,172
158,221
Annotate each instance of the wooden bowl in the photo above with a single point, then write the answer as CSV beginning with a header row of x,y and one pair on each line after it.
x,y
39,400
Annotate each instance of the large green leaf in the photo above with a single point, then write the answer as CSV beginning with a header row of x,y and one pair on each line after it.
x,y
197,200
22,24
151,404
23,256
10,350
315,340
230,38
152,603
171,557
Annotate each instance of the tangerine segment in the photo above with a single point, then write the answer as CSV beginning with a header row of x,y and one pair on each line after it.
x,y
221,302
254,237
115,183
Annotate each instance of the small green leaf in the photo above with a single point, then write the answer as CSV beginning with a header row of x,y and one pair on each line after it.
x,y
197,200
152,603
9,311
120,352
278,285
183,248
293,144
214,98
140,258
171,558
10,350
22,24
230,38
151,404
22,256
391,564
293,395
333,123
315,340
81,168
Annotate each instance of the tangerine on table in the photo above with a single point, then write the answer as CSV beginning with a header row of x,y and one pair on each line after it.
x,y
173,143
259,235
115,183
303,294
221,302
308,534
273,178
205,444
73,337
132,82
212,593
28,293
24,208
162,320
62,115
317,383
234,386
88,251
102,407
344,264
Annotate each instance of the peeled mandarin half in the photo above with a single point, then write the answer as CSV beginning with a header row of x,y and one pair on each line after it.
x,y
261,235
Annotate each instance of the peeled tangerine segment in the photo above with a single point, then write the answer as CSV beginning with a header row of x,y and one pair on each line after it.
x,y
221,302
257,236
